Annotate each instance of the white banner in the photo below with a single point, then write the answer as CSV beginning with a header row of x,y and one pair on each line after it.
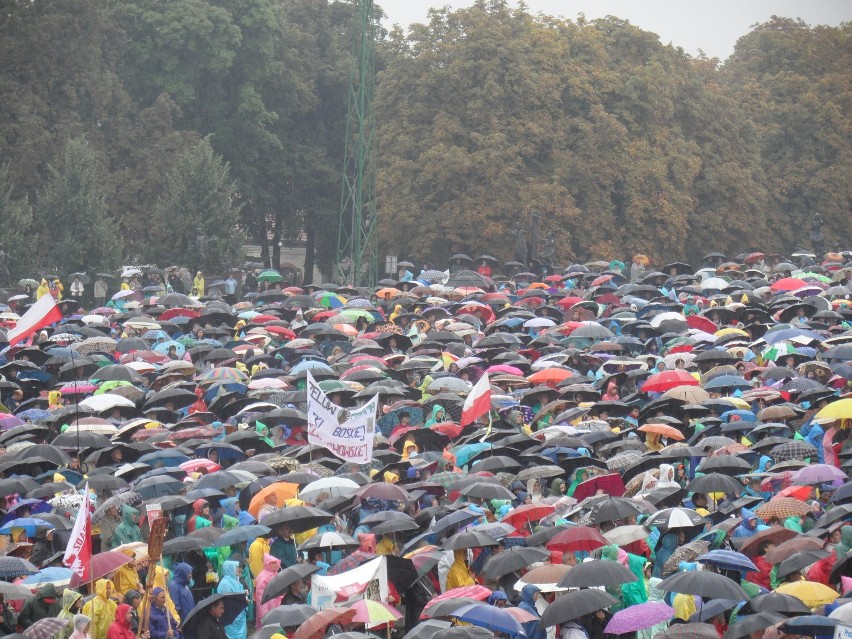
x,y
367,581
348,433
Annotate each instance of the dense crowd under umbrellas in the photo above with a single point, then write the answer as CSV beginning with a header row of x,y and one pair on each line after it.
x,y
666,456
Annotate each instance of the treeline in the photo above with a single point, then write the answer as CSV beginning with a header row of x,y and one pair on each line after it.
x,y
130,128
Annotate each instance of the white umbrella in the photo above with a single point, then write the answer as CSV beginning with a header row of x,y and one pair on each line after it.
x,y
843,614
539,322
332,486
713,283
101,403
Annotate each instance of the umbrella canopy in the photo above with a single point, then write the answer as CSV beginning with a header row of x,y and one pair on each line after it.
x,y
597,573
638,617
575,604
235,603
703,584
290,575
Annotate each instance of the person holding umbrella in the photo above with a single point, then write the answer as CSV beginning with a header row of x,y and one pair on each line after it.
x,y
229,583
209,625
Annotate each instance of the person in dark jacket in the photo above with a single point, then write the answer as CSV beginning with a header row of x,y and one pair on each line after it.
x,y
43,547
284,547
210,624
296,593
44,604
179,589
7,618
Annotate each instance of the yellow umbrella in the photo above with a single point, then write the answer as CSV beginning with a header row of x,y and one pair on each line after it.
x,y
841,409
811,593
731,331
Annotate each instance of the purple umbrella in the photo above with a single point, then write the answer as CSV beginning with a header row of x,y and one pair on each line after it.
x,y
639,617
818,474
8,421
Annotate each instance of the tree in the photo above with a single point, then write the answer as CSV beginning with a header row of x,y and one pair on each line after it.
x,y
16,219
78,233
197,216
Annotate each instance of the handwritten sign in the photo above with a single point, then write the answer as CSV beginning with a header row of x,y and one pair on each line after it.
x,y
346,432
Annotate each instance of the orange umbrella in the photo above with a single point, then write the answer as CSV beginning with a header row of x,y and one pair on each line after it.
x,y
664,430
346,329
387,293
549,376
315,625
282,491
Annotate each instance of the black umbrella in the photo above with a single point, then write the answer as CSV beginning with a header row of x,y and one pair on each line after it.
x,y
513,559
598,572
183,544
399,524
800,560
466,632
777,602
453,521
241,535
290,616
299,518
715,483
469,539
753,623
285,578
724,464
487,490
575,604
235,603
703,584
613,509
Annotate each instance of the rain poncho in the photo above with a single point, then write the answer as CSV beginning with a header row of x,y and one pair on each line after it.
x,y
179,589
668,544
69,598
745,529
126,578
271,566
120,627
100,609
198,284
845,544
580,476
257,551
127,531
439,414
459,575
532,629
230,583
78,627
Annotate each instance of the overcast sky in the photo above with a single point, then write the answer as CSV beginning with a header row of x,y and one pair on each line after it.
x,y
712,26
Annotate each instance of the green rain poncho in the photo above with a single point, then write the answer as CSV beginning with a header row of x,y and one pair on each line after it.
x,y
128,530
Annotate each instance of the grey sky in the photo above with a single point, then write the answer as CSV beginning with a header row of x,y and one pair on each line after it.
x,y
712,26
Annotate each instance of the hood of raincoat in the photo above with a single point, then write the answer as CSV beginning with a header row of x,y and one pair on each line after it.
x,y
182,573
845,544
229,568
121,615
80,622
69,597
198,505
101,586
127,514
271,564
460,555
747,515
528,594
47,592
761,465
669,542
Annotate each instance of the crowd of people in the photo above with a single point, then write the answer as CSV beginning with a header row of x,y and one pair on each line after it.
x,y
666,454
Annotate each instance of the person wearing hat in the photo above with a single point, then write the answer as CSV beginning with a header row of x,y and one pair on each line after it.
x,y
44,604
161,624
43,548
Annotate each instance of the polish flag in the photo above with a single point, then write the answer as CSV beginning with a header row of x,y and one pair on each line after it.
x,y
478,403
78,554
43,313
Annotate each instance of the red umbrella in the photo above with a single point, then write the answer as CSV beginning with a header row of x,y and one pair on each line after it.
x,y
522,515
568,302
450,429
701,323
661,382
579,538
609,484
788,284
103,564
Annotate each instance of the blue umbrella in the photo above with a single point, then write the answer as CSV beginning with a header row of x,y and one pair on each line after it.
x,y
726,381
56,576
466,452
163,458
744,415
728,560
29,524
490,617
155,334
163,347
310,364
810,625
34,414
35,506
771,337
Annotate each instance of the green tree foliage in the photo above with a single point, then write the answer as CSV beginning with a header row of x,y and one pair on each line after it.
x,y
197,217
78,232
16,217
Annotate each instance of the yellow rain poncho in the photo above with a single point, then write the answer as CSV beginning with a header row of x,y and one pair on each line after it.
x,y
100,609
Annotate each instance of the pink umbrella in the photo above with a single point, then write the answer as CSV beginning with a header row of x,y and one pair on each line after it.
x,y
818,474
505,369
639,617
480,593
7,421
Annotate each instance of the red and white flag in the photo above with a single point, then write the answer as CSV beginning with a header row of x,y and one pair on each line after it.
x,y
43,313
78,554
478,403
